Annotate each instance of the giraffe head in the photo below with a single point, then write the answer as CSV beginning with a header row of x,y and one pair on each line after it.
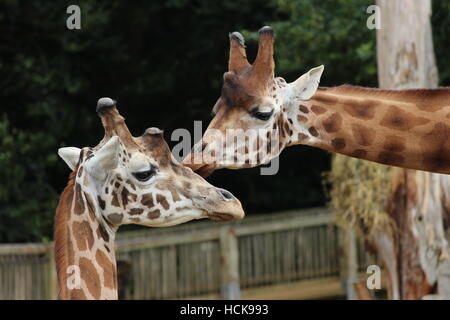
x,y
136,180
250,124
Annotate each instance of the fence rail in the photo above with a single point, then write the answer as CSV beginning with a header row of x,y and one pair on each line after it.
x,y
201,259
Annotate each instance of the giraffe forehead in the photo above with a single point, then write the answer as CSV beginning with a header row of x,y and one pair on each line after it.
x,y
138,162
239,96
267,102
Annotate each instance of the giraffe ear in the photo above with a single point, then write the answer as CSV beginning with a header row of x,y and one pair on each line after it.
x,y
305,86
70,155
104,159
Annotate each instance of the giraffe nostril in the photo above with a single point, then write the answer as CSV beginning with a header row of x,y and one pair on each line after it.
x,y
226,195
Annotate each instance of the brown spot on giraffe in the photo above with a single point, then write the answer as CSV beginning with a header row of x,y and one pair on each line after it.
x,y
154,214
430,100
70,247
135,211
91,277
318,110
303,108
82,232
399,119
394,144
359,153
101,203
313,131
359,109
333,123
115,199
163,201
79,202
102,233
147,200
108,268
436,147
364,136
390,158
338,143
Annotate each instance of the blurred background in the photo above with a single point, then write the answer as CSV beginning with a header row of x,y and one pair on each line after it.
x,y
163,62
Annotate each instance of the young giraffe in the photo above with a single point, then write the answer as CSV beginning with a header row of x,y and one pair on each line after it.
x,y
405,128
123,180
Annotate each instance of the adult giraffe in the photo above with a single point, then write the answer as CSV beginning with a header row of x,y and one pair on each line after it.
x,y
123,180
405,128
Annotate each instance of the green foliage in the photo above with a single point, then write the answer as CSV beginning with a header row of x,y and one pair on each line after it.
x,y
332,33
163,61
27,198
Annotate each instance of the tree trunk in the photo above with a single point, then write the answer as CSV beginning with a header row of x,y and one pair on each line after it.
x,y
414,249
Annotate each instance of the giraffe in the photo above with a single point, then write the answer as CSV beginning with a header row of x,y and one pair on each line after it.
x,y
123,180
407,128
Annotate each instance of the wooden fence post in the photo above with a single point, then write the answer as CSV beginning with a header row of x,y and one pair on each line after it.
x,y
229,264
348,261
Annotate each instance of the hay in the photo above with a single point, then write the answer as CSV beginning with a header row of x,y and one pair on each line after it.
x,y
359,193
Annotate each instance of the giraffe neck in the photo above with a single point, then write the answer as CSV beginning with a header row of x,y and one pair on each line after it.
x,y
408,128
84,245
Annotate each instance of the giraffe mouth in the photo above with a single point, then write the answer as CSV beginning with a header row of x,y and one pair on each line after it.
x,y
222,217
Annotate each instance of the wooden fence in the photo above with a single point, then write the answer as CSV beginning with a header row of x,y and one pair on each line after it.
x,y
294,254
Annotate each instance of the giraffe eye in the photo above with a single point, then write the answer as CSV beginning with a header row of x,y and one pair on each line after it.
x,y
144,175
262,115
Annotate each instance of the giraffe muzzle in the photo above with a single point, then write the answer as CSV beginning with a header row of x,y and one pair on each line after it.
x,y
226,206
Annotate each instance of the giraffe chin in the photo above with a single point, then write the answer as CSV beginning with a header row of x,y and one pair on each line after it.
x,y
221,217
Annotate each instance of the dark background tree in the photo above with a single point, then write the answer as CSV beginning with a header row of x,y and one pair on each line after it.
x,y
163,61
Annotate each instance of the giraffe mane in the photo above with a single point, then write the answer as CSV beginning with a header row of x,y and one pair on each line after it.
x,y
436,96
60,233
